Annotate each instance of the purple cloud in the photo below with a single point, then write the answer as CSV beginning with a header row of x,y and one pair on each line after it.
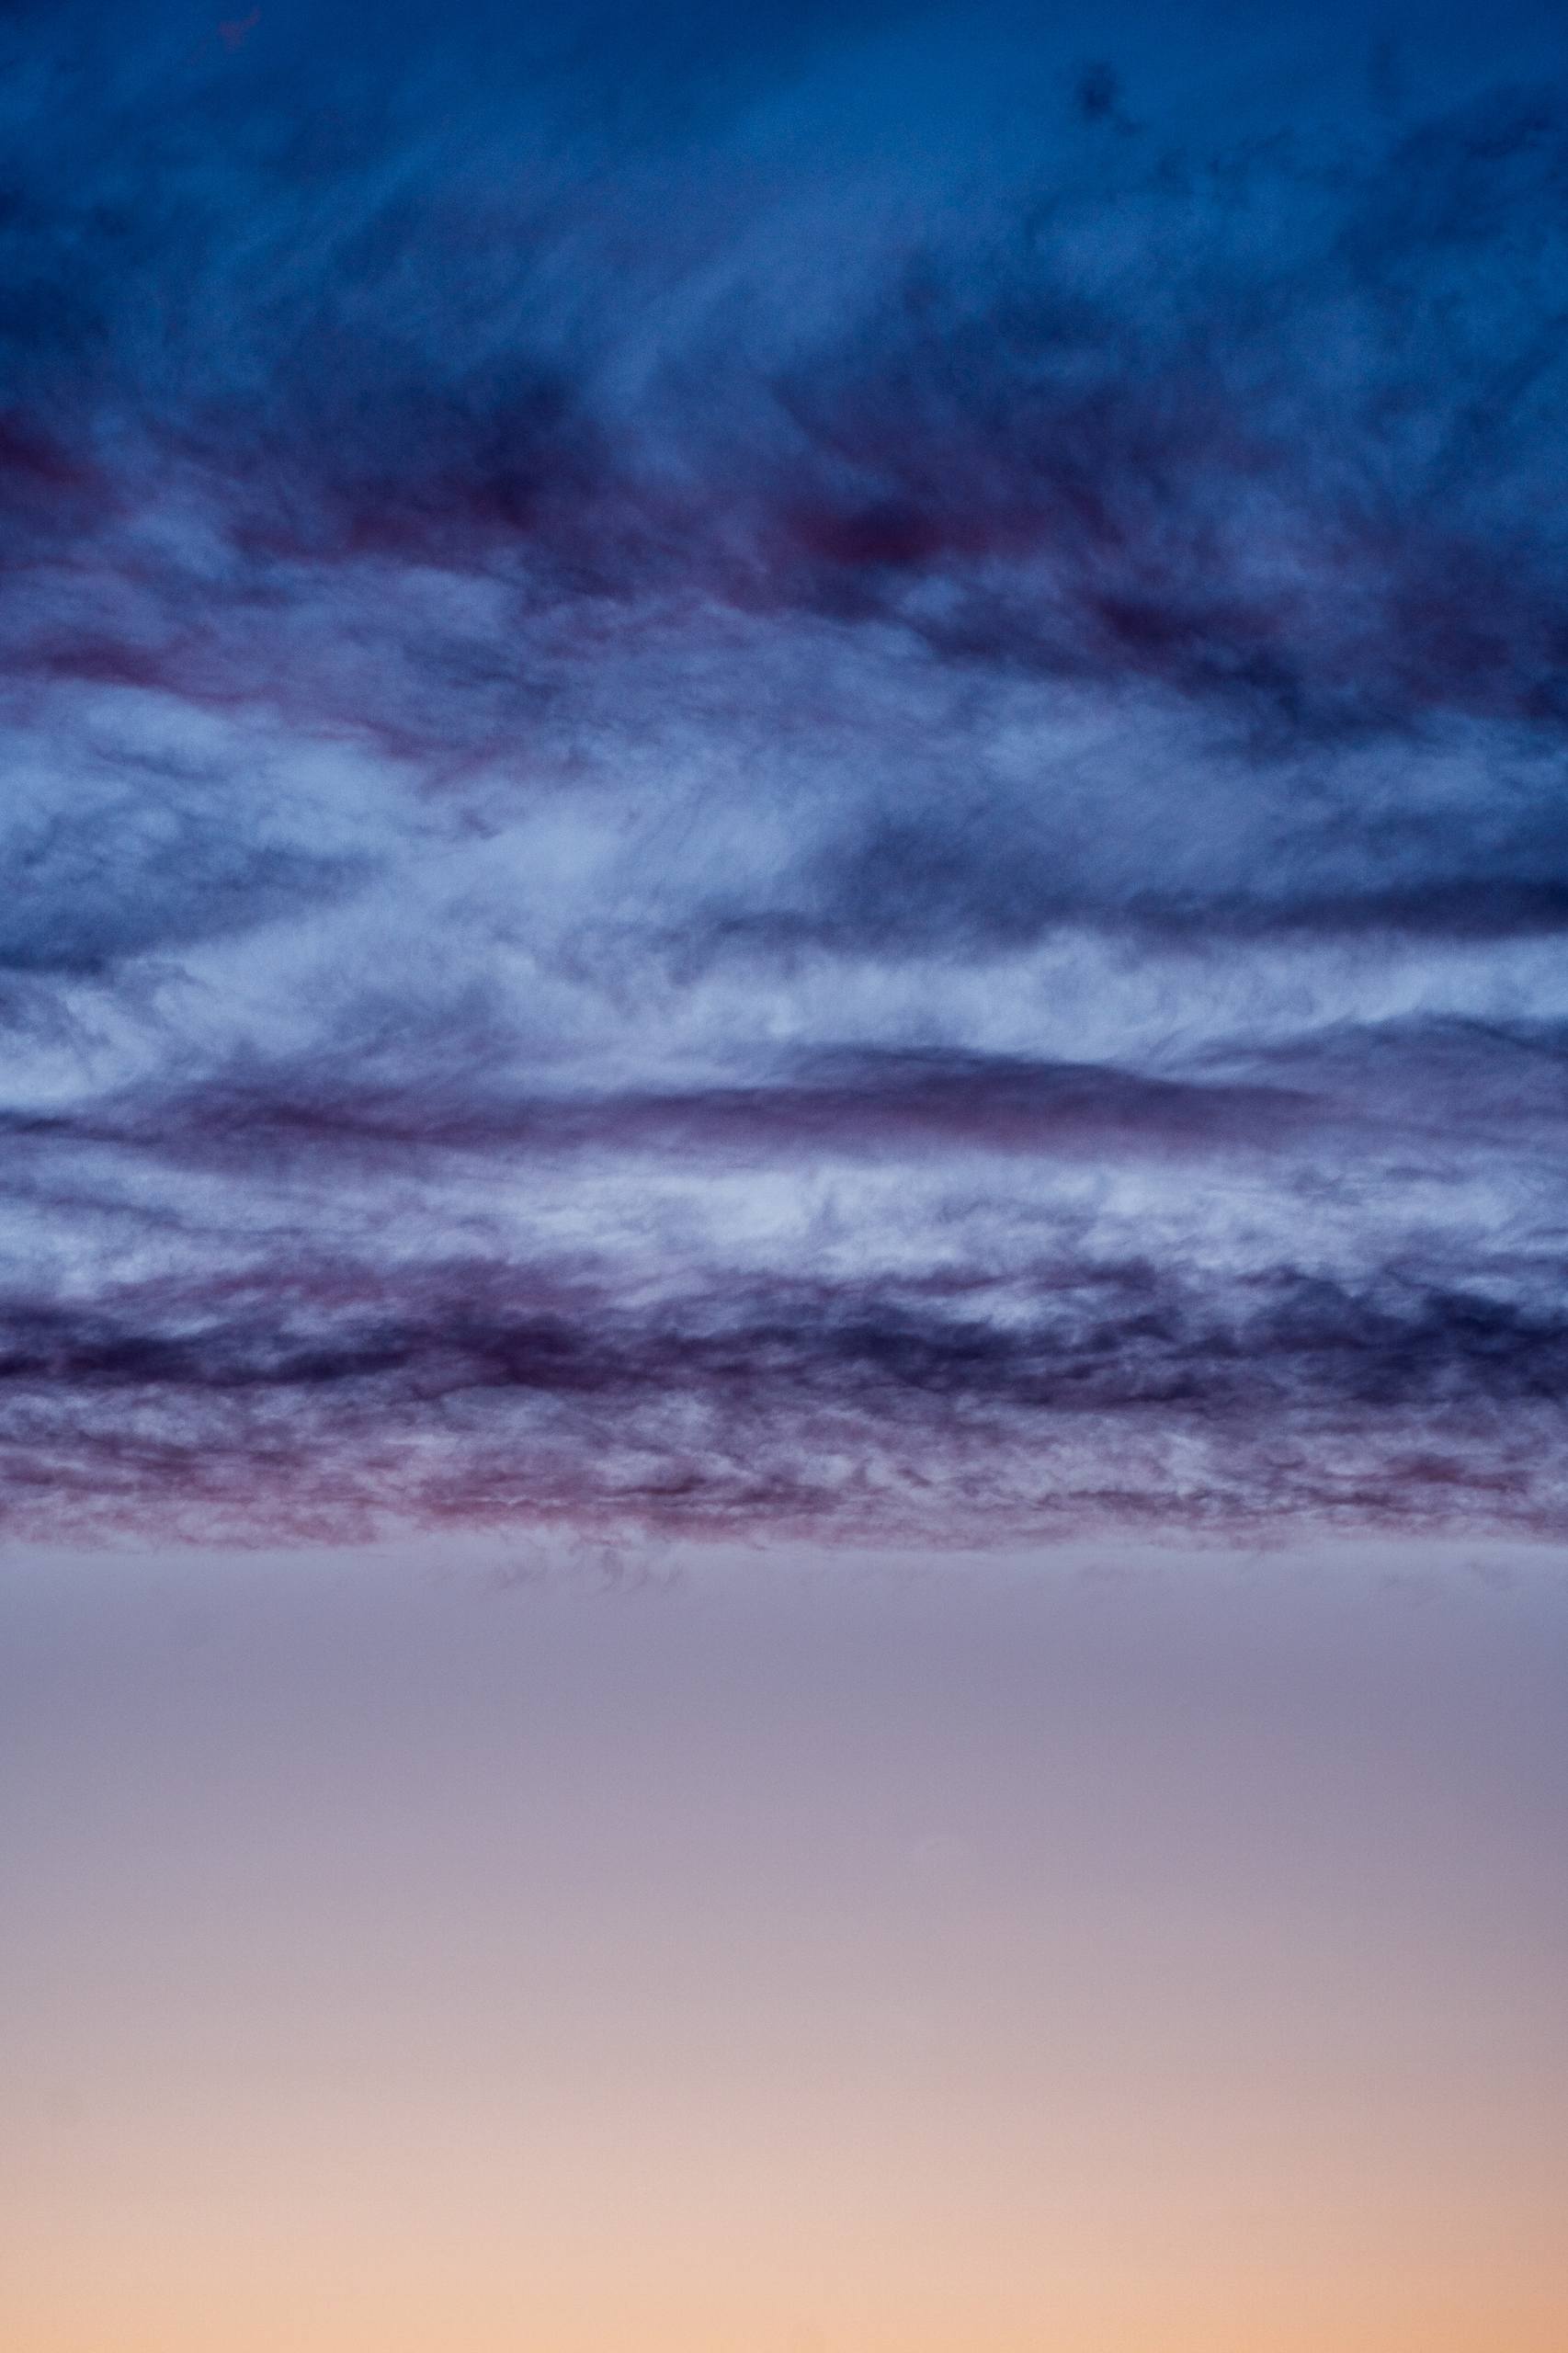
x,y
807,775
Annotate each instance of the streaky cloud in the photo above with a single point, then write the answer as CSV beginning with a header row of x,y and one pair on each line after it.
x,y
804,769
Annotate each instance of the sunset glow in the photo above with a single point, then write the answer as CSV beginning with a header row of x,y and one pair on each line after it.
x,y
783,1179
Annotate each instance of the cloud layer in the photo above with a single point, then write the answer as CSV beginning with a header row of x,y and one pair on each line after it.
x,y
802,773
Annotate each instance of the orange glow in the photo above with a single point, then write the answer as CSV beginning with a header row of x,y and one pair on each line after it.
x,y
976,1964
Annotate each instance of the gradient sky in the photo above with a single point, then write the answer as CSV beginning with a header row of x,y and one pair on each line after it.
x,y
783,1178
432,1953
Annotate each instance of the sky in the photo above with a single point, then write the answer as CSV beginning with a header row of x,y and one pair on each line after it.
x,y
783,1178
782,769
1119,1952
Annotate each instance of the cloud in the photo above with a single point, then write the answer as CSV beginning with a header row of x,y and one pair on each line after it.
x,y
795,769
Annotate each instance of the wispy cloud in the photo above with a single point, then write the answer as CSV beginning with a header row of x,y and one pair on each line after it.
x,y
804,771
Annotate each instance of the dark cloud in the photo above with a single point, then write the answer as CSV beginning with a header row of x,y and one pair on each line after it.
x,y
805,765
342,1404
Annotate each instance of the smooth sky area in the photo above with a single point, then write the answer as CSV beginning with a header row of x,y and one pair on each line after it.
x,y
1106,1953
783,1179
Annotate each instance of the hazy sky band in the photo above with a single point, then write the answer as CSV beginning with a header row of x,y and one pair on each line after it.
x,y
808,774
708,1946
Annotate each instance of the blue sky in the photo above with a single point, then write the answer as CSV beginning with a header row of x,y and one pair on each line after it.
x,y
801,768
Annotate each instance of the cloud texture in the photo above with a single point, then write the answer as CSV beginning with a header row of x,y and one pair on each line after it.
x,y
795,770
